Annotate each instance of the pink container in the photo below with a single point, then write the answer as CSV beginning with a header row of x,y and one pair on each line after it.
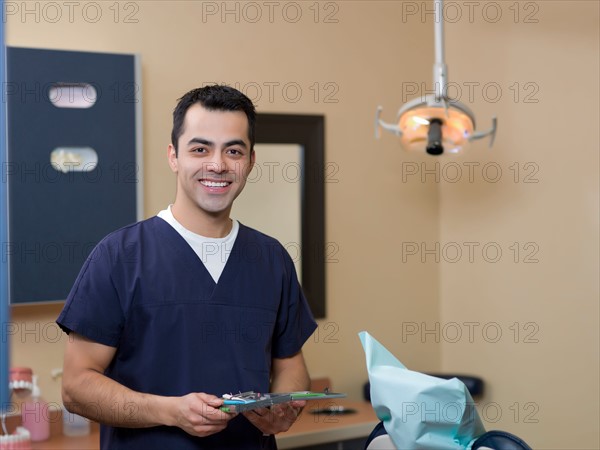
x,y
35,415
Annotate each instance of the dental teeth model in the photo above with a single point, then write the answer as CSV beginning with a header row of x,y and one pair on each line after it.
x,y
20,380
19,440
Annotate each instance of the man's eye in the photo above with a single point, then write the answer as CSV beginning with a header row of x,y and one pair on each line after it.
x,y
198,150
235,151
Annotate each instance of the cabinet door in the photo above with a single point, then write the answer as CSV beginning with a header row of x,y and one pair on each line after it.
x,y
73,168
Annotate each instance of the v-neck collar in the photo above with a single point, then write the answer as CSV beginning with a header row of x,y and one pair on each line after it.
x,y
192,261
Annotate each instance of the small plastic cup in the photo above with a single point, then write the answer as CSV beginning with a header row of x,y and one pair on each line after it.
x,y
74,424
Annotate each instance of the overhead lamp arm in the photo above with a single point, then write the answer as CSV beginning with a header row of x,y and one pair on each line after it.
x,y
440,70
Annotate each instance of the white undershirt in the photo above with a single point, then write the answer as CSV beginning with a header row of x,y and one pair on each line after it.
x,y
213,252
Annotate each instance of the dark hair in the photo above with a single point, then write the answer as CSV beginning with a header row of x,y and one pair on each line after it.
x,y
215,97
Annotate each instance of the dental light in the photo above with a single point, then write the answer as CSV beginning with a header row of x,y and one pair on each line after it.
x,y
434,123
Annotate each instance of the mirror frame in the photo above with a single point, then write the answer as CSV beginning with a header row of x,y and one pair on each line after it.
x,y
309,132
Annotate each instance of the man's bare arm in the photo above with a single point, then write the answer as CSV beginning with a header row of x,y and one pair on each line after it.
x,y
290,374
88,392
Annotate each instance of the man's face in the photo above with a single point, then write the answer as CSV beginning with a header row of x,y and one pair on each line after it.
x,y
214,159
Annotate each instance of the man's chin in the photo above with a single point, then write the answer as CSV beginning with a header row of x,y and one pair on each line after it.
x,y
216,211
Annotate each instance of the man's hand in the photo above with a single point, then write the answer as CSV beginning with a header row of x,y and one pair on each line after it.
x,y
199,415
277,418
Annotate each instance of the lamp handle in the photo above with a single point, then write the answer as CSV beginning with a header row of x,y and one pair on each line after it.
x,y
386,126
491,132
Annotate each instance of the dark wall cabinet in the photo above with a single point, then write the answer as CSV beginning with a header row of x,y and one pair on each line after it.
x,y
73,170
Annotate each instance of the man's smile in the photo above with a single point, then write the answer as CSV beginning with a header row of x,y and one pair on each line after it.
x,y
215,184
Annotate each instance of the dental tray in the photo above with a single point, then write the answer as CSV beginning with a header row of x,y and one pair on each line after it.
x,y
245,401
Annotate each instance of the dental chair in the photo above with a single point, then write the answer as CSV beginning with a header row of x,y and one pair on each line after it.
x,y
491,440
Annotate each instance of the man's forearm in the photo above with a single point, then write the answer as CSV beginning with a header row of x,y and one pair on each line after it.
x,y
290,375
102,399
290,381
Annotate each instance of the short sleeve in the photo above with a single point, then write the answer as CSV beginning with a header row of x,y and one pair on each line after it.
x,y
295,322
93,308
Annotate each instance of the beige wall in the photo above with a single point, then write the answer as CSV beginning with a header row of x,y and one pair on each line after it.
x,y
372,211
543,370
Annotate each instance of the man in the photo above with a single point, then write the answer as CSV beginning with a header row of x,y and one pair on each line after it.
x,y
160,328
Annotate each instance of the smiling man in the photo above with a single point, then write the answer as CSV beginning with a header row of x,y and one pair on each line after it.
x,y
160,327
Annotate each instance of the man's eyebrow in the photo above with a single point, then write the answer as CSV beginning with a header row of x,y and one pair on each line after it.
x,y
197,140
239,142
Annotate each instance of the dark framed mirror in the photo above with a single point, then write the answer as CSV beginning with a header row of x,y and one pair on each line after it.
x,y
307,131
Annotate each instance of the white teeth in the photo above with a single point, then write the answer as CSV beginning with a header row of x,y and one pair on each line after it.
x,y
20,384
214,183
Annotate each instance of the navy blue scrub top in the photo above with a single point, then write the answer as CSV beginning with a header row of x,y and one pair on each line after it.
x,y
144,291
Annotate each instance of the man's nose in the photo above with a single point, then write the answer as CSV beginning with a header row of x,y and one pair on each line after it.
x,y
216,164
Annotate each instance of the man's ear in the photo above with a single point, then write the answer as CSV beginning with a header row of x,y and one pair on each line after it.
x,y
172,157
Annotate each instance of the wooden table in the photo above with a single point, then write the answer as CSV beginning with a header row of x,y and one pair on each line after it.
x,y
313,429
62,442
